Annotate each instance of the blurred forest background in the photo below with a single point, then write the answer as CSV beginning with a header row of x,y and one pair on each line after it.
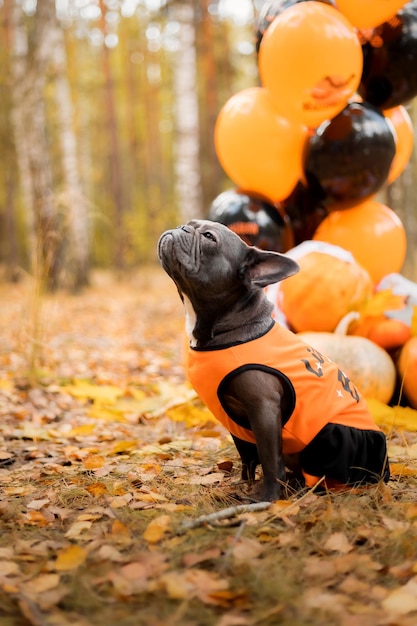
x,y
107,115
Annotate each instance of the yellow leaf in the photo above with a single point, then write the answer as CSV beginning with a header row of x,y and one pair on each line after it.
x,y
85,390
82,431
94,461
191,414
404,418
124,446
380,302
105,414
138,394
157,528
97,489
398,469
70,558
120,530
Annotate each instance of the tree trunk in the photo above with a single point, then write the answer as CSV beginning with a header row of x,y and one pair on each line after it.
x,y
114,148
211,171
29,124
72,200
187,148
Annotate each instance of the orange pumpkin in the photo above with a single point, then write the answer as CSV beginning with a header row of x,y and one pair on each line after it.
x,y
407,368
390,333
323,291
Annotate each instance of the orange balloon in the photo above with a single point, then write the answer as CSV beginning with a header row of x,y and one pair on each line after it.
x,y
372,232
369,13
311,61
404,140
258,149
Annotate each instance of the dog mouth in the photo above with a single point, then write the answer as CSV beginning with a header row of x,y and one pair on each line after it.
x,y
179,252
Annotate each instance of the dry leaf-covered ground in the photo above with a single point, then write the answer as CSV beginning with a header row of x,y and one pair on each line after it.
x,y
106,456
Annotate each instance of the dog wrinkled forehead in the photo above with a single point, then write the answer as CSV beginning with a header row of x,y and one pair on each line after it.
x,y
221,231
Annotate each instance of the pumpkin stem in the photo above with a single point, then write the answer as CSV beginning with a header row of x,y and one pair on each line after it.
x,y
343,326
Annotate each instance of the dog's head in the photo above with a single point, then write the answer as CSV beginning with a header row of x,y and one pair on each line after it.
x,y
215,270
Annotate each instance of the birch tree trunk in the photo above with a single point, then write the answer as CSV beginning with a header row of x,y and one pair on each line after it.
x,y
72,200
29,125
187,148
18,87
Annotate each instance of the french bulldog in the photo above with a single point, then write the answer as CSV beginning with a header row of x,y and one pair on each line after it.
x,y
281,400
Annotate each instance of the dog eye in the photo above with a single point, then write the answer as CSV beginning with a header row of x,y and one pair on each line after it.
x,y
208,235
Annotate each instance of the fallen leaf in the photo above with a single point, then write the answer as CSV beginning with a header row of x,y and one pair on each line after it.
x,y
402,600
193,559
77,528
338,542
124,446
246,549
9,568
192,583
401,417
157,529
110,553
87,391
70,558
399,469
210,479
97,489
120,531
36,518
37,505
191,414
94,461
42,583
316,567
82,431
176,585
120,501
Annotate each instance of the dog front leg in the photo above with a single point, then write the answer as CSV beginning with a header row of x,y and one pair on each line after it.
x,y
266,426
248,453
256,395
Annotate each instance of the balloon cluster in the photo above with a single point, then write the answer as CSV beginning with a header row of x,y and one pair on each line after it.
x,y
310,148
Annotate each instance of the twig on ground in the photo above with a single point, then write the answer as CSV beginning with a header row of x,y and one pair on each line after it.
x,y
231,511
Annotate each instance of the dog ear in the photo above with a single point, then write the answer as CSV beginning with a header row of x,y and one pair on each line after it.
x,y
262,267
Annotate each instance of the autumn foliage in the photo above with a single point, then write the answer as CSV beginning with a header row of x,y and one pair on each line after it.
x,y
120,496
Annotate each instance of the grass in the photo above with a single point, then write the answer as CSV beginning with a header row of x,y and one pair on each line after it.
x,y
71,479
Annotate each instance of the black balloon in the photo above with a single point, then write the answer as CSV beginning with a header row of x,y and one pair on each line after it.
x,y
256,221
304,212
270,10
348,158
389,76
